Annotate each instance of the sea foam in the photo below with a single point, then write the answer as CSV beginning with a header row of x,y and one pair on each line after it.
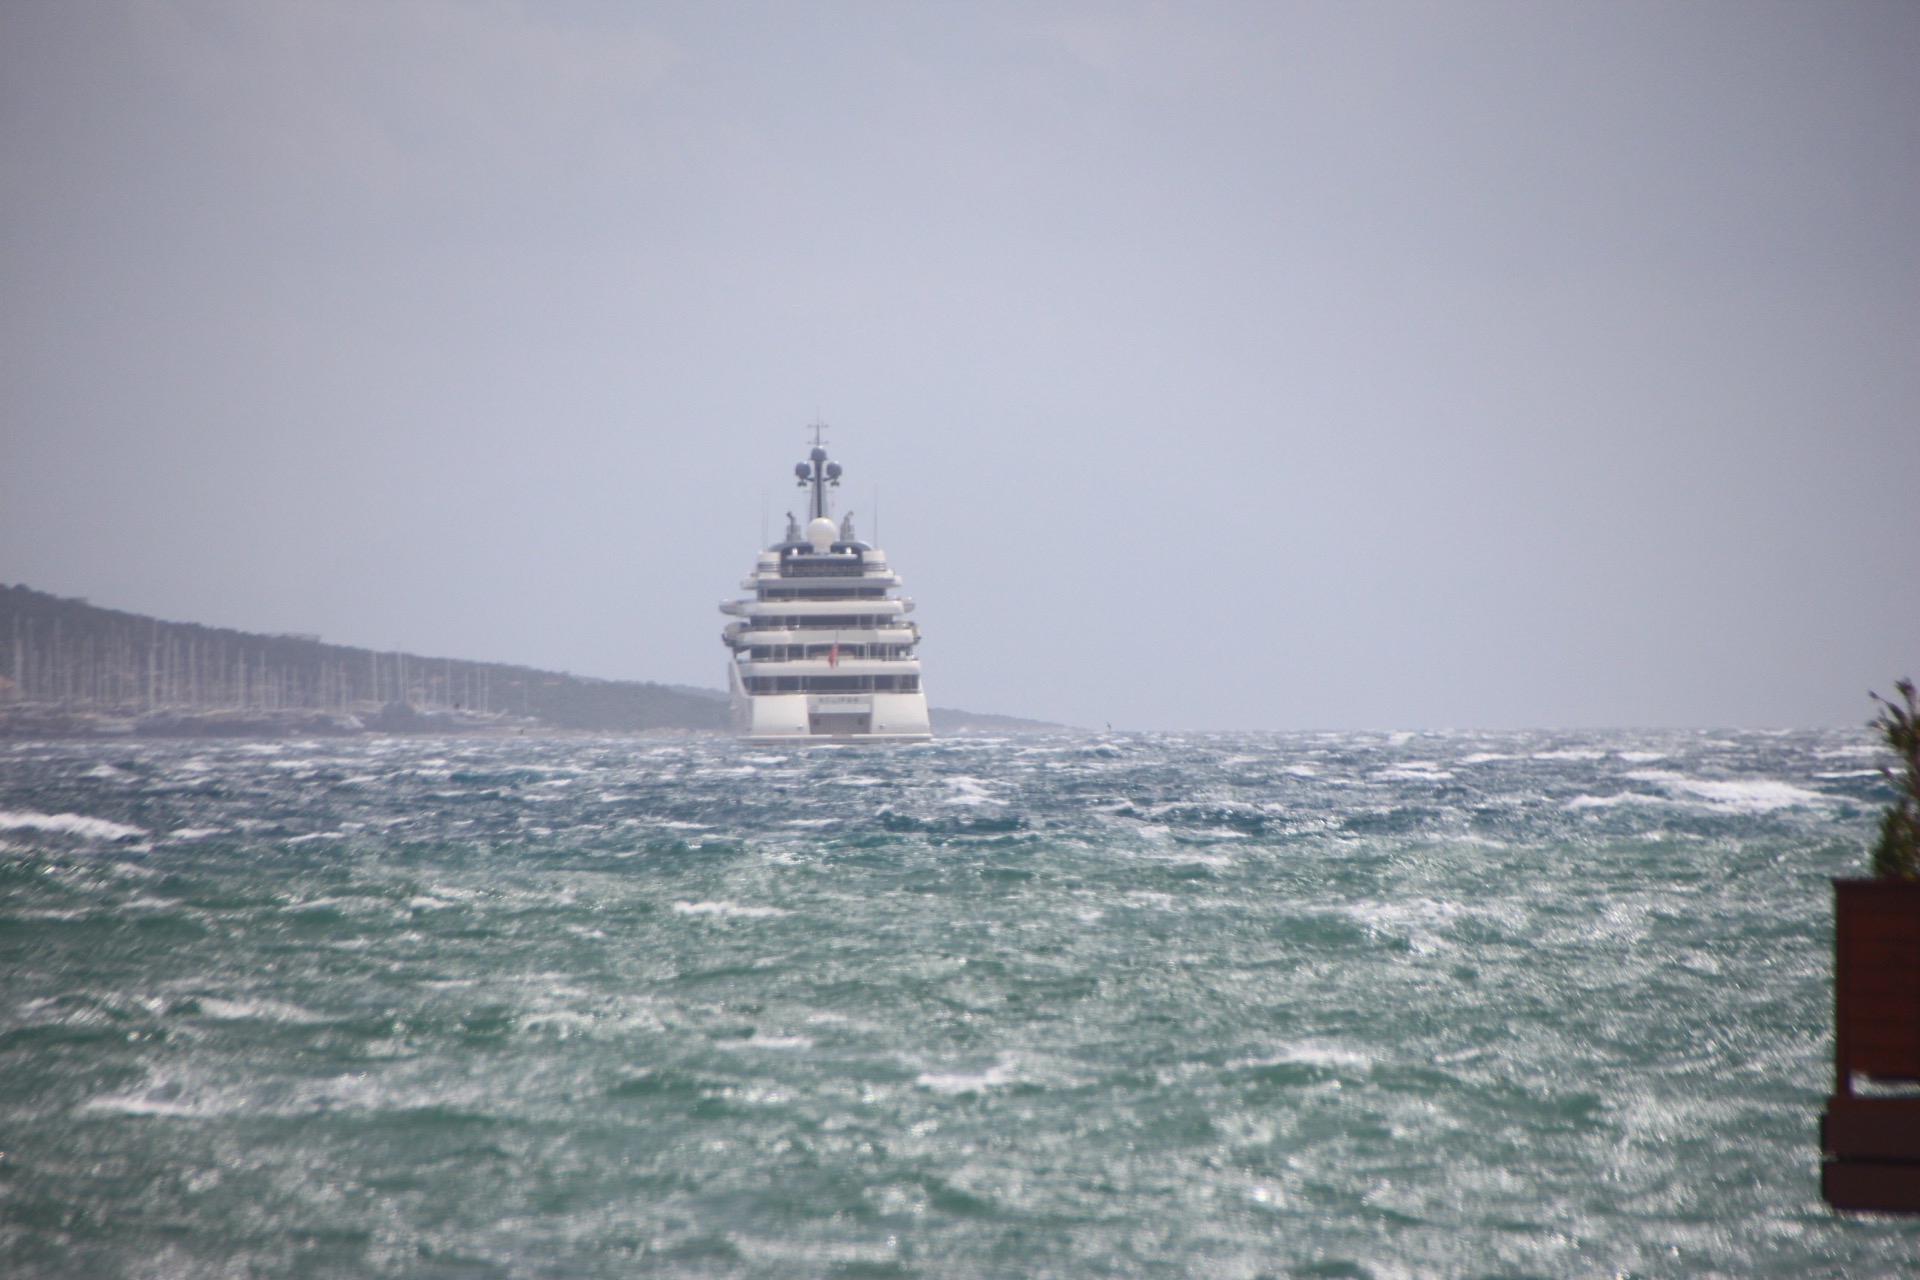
x,y
70,824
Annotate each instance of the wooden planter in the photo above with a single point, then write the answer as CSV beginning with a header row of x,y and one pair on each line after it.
x,y
1872,1143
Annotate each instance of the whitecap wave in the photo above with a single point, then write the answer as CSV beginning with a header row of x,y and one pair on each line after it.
x,y
1733,795
726,910
1753,795
69,824
225,1010
1608,802
1312,1054
759,1040
956,1082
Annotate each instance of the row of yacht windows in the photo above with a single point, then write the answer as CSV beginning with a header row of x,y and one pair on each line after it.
x,y
838,593
833,684
798,652
822,567
842,621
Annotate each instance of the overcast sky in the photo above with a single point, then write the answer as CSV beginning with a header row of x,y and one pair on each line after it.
x,y
1216,365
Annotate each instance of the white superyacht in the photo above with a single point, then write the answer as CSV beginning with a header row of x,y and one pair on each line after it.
x,y
822,648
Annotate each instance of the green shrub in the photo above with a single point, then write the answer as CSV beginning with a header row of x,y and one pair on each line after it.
x,y
1898,853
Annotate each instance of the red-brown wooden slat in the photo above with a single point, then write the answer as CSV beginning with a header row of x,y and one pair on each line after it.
x,y
1872,1128
1871,1185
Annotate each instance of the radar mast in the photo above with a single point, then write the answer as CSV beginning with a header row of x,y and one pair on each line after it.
x,y
817,473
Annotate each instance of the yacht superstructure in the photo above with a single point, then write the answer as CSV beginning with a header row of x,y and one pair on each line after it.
x,y
822,648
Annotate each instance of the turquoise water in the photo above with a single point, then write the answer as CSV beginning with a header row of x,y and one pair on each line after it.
x,y
1298,1005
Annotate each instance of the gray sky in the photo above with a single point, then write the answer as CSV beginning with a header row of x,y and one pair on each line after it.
x,y
1218,365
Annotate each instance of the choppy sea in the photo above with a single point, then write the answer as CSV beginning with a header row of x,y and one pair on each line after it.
x,y
1276,1005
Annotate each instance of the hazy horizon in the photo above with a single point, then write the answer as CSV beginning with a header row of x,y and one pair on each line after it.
x,y
1216,366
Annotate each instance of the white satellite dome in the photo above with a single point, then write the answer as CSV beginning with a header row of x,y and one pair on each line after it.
x,y
820,532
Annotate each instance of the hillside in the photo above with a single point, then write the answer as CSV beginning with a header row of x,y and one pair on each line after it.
x,y
948,722
69,668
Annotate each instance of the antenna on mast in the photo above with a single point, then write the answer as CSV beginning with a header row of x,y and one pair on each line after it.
x,y
817,473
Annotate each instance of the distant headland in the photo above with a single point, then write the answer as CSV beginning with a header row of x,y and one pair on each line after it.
x,y
69,668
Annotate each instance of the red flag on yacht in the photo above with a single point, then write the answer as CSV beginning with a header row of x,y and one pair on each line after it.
x,y
833,654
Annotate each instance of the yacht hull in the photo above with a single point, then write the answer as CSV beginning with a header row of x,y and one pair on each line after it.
x,y
806,717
